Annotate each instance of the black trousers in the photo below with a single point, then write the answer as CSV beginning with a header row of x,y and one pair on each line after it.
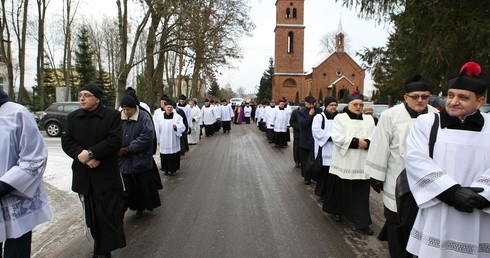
x,y
247,120
104,214
304,153
17,247
396,235
226,126
296,157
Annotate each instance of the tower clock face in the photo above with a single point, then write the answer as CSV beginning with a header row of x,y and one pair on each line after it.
x,y
338,73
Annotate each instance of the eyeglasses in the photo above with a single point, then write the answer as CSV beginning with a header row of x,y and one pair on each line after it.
x,y
416,97
357,104
85,95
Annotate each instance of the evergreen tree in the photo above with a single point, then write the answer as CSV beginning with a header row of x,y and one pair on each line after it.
x,y
442,36
108,91
84,63
265,87
214,89
320,97
334,91
296,98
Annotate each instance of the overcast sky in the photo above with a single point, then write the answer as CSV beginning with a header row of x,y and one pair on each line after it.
x,y
321,17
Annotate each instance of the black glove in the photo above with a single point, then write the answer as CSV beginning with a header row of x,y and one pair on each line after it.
x,y
464,199
376,185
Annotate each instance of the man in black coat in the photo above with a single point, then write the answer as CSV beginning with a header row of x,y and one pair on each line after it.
x,y
293,122
305,119
93,138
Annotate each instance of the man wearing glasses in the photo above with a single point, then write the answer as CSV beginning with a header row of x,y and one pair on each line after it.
x,y
386,157
351,134
93,139
452,189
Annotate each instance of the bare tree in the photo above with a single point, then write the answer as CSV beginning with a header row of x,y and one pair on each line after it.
x,y
42,6
6,50
19,23
68,18
328,42
126,63
214,27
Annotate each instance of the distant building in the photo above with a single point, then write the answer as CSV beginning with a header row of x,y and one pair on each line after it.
x,y
338,71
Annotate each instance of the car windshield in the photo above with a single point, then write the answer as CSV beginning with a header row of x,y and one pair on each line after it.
x,y
485,108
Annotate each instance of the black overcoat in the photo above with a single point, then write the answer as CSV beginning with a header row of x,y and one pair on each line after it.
x,y
99,131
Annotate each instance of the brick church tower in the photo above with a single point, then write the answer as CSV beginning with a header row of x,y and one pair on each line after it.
x,y
289,75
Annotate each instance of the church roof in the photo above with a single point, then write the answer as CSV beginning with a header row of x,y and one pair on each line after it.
x,y
339,79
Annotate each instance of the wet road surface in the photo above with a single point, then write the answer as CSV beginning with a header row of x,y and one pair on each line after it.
x,y
235,196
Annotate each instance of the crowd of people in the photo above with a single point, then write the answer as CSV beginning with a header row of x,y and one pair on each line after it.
x,y
446,164
442,157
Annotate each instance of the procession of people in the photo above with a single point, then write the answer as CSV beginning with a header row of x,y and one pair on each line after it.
x,y
438,158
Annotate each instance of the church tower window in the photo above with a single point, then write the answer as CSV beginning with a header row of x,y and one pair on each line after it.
x,y
290,42
294,13
288,13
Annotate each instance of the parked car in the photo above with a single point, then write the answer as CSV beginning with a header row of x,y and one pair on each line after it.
x,y
485,108
378,109
341,106
53,119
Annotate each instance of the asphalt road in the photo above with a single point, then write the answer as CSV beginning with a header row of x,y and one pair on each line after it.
x,y
235,196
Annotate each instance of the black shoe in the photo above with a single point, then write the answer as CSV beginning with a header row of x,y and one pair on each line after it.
x,y
166,172
335,217
106,255
366,231
307,181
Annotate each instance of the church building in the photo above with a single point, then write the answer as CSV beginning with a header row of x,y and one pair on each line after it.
x,y
338,73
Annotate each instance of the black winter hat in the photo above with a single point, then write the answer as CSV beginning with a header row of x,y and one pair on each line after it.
x,y
94,89
128,101
329,100
310,99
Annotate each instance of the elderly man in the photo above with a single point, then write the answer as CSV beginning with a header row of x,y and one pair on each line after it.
x,y
93,138
452,189
386,157
349,195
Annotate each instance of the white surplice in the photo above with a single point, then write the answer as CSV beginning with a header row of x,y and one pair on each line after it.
x,y
167,137
281,120
386,154
24,157
460,157
348,163
321,137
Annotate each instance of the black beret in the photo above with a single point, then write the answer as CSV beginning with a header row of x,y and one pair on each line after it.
x,y
310,99
164,97
355,95
128,101
416,83
206,100
94,89
182,97
470,78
